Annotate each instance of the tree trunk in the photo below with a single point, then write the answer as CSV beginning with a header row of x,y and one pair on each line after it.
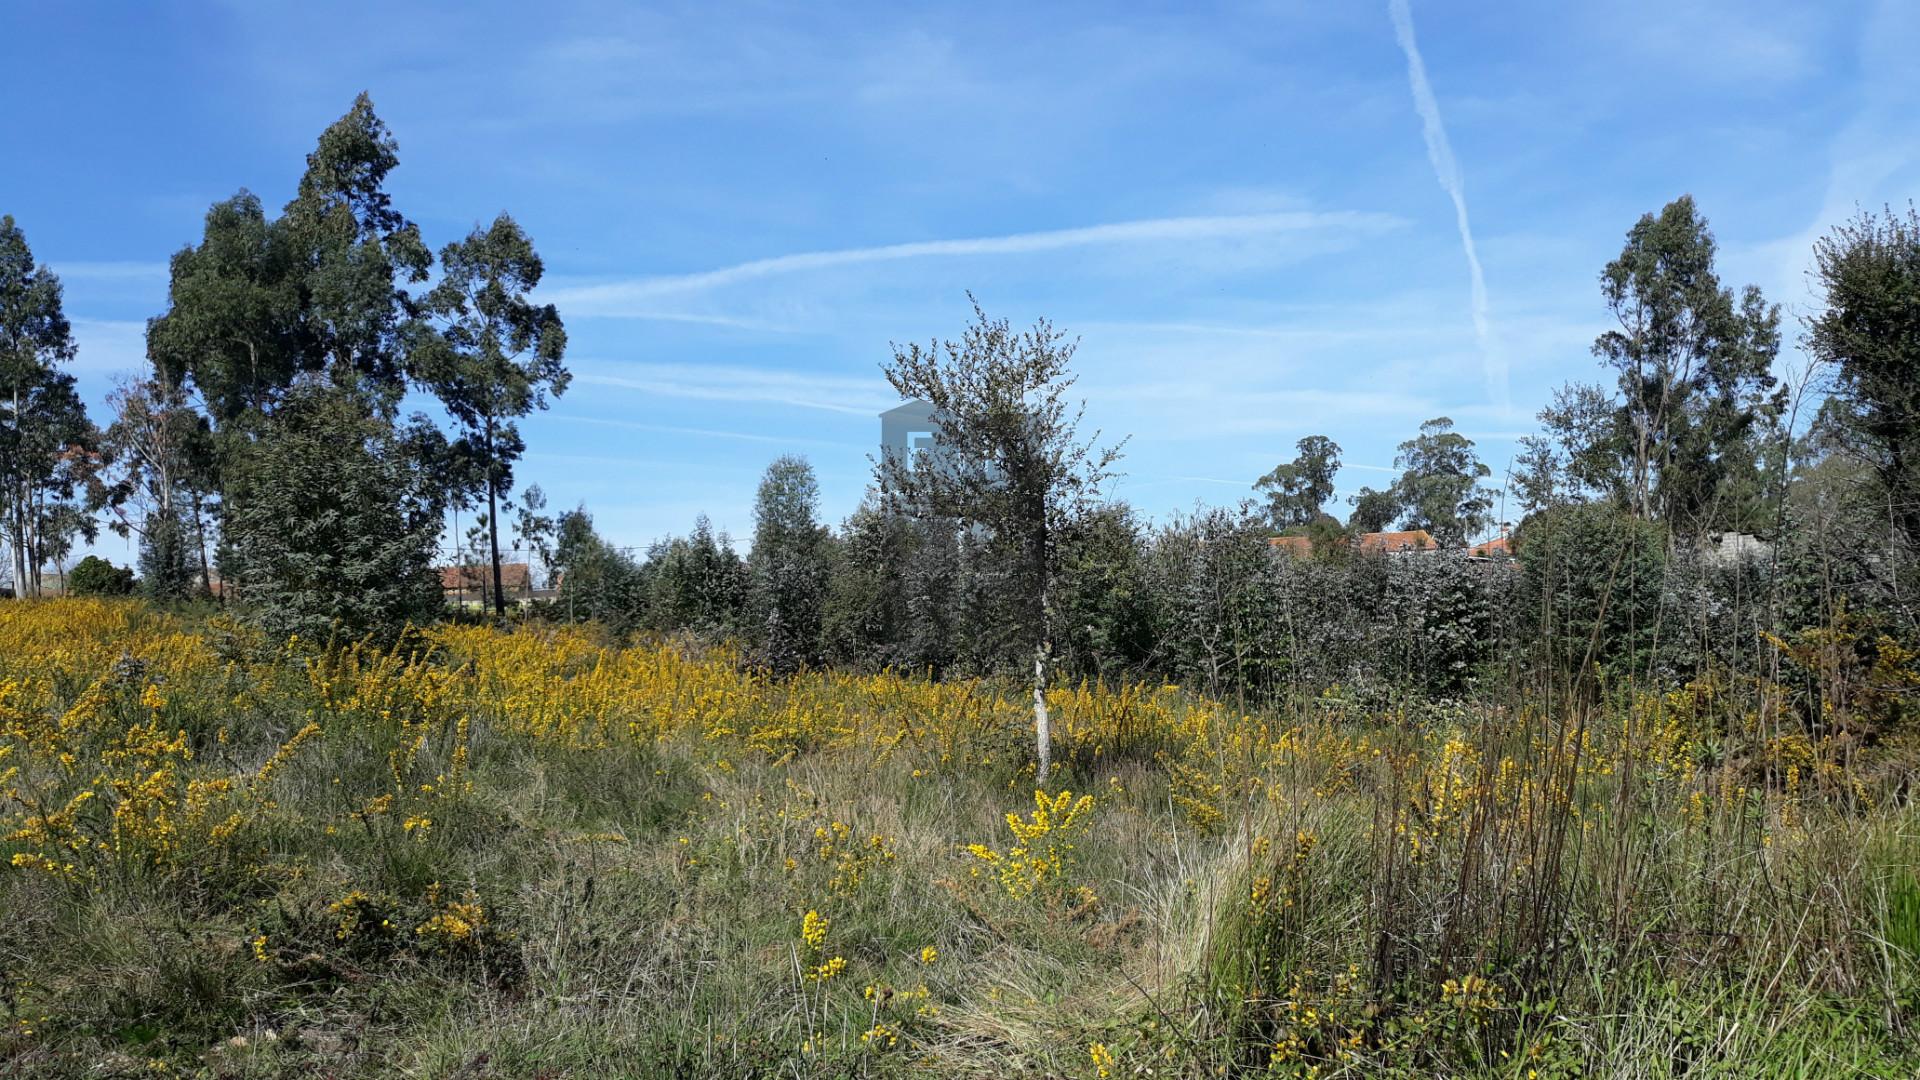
x,y
1042,724
31,529
200,537
493,527
1042,653
18,513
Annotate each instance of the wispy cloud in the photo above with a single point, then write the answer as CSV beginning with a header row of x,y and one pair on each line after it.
x,y
110,346
111,271
639,298
704,433
1447,169
1868,158
717,382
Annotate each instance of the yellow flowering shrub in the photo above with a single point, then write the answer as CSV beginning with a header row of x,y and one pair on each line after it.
x,y
1043,843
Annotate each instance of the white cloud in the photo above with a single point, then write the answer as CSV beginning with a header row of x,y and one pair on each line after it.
x,y
1871,159
111,271
110,346
639,298
719,382
1447,169
703,433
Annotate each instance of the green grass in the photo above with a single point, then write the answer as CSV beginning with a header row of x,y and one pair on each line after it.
x,y
642,919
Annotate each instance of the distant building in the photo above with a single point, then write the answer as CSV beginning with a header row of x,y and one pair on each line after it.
x,y
1499,547
1396,542
1734,547
1300,547
471,586
907,429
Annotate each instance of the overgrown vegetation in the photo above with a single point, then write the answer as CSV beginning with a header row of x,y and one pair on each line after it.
x,y
533,853
997,778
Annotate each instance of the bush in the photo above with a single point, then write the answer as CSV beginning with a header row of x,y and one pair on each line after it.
x,y
96,576
1594,580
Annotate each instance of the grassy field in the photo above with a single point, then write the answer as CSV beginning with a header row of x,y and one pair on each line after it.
x,y
538,854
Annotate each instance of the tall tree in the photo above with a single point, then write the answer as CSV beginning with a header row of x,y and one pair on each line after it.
x,y
1007,458
47,445
789,565
1869,336
494,356
1373,510
1694,364
156,449
232,331
355,252
262,308
1439,487
1297,490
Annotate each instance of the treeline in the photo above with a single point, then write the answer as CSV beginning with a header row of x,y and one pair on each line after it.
x,y
1669,525
1667,514
264,455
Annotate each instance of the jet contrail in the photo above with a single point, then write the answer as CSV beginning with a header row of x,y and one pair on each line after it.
x,y
1447,170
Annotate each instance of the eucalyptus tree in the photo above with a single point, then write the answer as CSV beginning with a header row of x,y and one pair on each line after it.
x,y
355,255
1296,490
156,448
47,445
490,356
232,334
1007,458
1439,486
1694,365
266,310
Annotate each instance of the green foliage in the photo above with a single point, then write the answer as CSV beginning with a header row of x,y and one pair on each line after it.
x,y
1104,598
788,569
332,530
354,252
48,447
95,576
167,558
1695,375
696,583
1595,579
598,582
1373,510
1868,335
1296,490
1439,487
892,595
233,327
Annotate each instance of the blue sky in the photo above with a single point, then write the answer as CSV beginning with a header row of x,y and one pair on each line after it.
x,y
1254,216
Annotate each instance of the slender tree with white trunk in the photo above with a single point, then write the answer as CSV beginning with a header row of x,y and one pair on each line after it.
x,y
1007,459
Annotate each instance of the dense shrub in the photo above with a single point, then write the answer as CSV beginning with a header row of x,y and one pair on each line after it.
x,y
1595,581
95,576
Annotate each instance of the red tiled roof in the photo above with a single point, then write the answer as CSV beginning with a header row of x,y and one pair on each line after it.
x,y
1499,545
1298,546
1409,540
513,576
